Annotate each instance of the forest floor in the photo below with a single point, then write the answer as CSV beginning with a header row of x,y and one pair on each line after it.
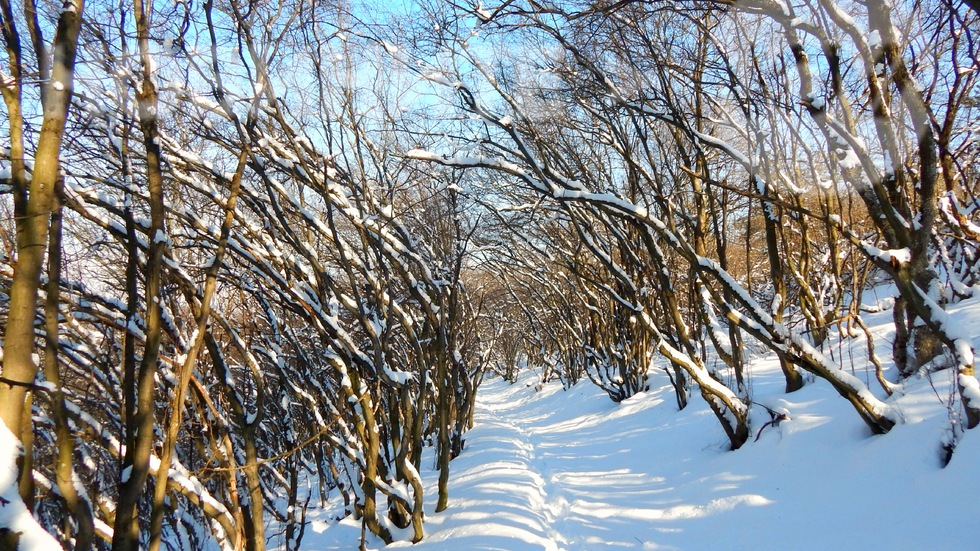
x,y
556,469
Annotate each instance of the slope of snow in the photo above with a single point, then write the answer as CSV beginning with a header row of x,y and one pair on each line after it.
x,y
14,515
570,470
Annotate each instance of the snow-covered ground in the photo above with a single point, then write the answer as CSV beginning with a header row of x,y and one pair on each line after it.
x,y
14,515
552,469
555,469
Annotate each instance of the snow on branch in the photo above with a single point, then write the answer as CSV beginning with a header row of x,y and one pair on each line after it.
x,y
467,161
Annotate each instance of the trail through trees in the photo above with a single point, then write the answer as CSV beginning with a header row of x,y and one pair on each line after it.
x,y
250,247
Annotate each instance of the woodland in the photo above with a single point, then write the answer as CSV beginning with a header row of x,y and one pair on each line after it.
x,y
249,244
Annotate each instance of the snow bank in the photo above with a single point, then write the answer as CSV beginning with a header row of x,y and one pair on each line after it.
x,y
14,515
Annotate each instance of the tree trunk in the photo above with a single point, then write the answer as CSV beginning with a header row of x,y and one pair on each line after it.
x,y
32,209
64,470
137,461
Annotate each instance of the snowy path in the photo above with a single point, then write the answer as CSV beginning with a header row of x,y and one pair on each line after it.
x,y
567,471
533,484
559,470
506,497
571,471
562,480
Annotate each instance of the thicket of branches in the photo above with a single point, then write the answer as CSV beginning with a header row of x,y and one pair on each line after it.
x,y
728,173
275,247
242,282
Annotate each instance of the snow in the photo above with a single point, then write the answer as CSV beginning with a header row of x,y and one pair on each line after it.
x,y
482,13
180,476
14,515
970,388
874,39
466,161
888,169
727,148
103,529
901,256
570,470
398,377
439,78
964,350
850,160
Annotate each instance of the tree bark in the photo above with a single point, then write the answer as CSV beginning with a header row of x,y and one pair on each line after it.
x,y
64,470
32,209
137,461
